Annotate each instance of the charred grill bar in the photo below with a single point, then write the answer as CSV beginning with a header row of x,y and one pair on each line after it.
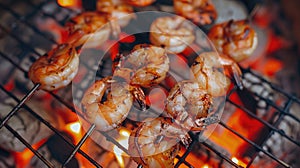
x,y
18,17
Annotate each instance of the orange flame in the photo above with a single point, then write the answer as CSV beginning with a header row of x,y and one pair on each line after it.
x,y
23,158
238,162
123,140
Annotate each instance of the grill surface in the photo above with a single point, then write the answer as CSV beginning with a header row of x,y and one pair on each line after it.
x,y
22,41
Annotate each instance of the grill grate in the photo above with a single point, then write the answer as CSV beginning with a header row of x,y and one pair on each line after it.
x,y
19,21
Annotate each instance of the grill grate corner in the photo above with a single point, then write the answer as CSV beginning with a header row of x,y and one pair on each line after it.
x,y
18,49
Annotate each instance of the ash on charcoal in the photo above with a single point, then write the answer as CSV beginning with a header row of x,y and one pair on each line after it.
x,y
280,146
29,127
261,92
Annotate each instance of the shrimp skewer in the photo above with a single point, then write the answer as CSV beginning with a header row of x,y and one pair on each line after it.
x,y
234,38
149,65
55,69
188,104
206,72
94,27
172,33
201,12
117,9
113,111
155,143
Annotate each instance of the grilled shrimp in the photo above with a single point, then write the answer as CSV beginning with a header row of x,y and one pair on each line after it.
x,y
206,71
109,114
118,10
55,69
172,33
86,26
155,143
150,65
234,38
201,12
188,104
139,2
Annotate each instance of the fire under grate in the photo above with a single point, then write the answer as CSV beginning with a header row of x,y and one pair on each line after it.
x,y
22,41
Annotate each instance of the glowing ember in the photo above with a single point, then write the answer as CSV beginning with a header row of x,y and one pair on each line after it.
x,y
75,127
68,3
272,66
23,158
123,140
205,166
238,162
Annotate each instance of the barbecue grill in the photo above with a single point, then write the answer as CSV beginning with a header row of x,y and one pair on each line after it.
x,y
24,38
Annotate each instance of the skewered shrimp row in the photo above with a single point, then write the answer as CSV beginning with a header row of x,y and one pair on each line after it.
x,y
108,101
93,27
172,33
55,69
189,102
58,67
155,143
237,39
145,66
188,107
200,12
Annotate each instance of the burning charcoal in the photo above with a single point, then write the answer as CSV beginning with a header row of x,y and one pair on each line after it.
x,y
262,91
107,158
56,151
201,155
280,146
29,127
6,159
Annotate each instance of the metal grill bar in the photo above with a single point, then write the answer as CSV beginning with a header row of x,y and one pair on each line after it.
x,y
50,127
28,146
286,108
23,20
19,40
48,15
254,145
283,112
73,110
273,86
77,147
220,154
265,122
182,158
18,106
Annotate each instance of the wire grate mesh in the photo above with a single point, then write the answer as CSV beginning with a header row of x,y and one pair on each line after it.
x,y
19,50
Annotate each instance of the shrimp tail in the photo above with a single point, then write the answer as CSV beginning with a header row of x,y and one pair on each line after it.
x,y
237,75
233,68
207,121
185,139
200,123
139,96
